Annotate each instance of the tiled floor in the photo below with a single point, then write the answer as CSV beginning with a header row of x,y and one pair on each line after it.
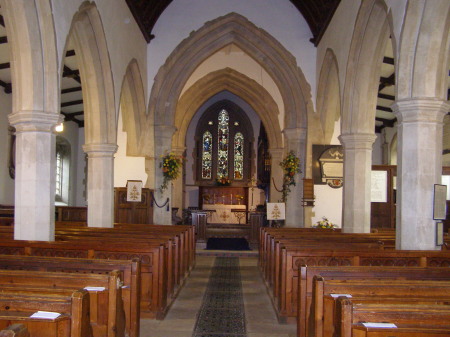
x,y
260,317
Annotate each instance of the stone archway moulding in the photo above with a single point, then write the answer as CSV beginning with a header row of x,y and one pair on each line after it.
x,y
227,80
328,95
366,53
132,105
96,75
213,36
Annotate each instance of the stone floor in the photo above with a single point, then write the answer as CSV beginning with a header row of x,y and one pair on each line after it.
x,y
260,317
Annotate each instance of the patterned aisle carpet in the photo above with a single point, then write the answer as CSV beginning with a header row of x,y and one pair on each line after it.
x,y
222,311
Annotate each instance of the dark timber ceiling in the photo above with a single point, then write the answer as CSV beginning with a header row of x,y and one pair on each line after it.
x,y
317,14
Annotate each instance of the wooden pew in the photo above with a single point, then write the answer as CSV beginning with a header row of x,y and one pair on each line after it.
x,y
306,275
379,287
130,275
105,304
408,317
17,307
15,330
332,317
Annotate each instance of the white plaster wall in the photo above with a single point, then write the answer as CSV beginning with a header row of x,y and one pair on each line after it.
x,y
123,36
328,204
125,167
279,18
6,183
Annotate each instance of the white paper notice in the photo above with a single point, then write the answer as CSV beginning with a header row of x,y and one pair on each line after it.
x,y
379,325
94,288
339,295
45,315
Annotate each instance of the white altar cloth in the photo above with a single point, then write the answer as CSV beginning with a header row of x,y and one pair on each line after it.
x,y
223,213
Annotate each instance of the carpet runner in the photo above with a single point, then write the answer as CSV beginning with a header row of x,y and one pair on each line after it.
x,y
222,312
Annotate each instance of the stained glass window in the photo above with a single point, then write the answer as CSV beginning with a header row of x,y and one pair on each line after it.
x,y
222,149
207,155
59,168
239,156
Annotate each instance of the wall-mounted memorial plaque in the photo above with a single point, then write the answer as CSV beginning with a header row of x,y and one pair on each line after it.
x,y
379,184
440,202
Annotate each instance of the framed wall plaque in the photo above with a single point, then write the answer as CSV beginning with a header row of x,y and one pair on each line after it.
x,y
440,202
439,234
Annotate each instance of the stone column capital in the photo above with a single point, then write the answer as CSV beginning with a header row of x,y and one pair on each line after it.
x,y
296,134
363,141
100,150
29,120
276,152
420,110
179,150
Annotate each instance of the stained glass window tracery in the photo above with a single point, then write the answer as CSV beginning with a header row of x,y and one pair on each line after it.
x,y
222,149
239,156
207,156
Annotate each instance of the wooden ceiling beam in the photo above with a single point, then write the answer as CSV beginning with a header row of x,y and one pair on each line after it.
x,y
74,74
6,65
6,86
383,108
70,103
2,21
69,90
388,60
387,122
3,39
386,82
70,118
385,96
70,53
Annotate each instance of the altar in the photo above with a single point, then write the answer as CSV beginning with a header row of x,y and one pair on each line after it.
x,y
225,214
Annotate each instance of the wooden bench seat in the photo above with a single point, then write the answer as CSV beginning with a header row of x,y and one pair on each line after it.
x,y
358,330
15,330
380,287
426,317
107,316
306,275
129,269
17,307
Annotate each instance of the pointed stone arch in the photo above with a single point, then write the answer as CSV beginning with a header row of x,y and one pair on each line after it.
x,y
257,43
227,80
132,106
328,95
424,51
96,75
371,33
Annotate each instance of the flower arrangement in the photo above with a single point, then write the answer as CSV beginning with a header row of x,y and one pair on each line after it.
x,y
223,181
324,223
291,166
170,165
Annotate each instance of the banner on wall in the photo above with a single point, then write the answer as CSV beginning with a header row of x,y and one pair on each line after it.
x,y
134,190
276,211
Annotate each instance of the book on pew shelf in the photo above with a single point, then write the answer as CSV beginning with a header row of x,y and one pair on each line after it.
x,y
45,315
339,295
379,325
94,288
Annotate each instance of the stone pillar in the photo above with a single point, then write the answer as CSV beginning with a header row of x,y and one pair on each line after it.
x,y
163,143
100,186
357,182
276,174
296,142
177,185
34,213
420,129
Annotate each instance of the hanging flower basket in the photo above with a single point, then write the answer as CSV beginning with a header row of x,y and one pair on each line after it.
x,y
171,167
291,166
